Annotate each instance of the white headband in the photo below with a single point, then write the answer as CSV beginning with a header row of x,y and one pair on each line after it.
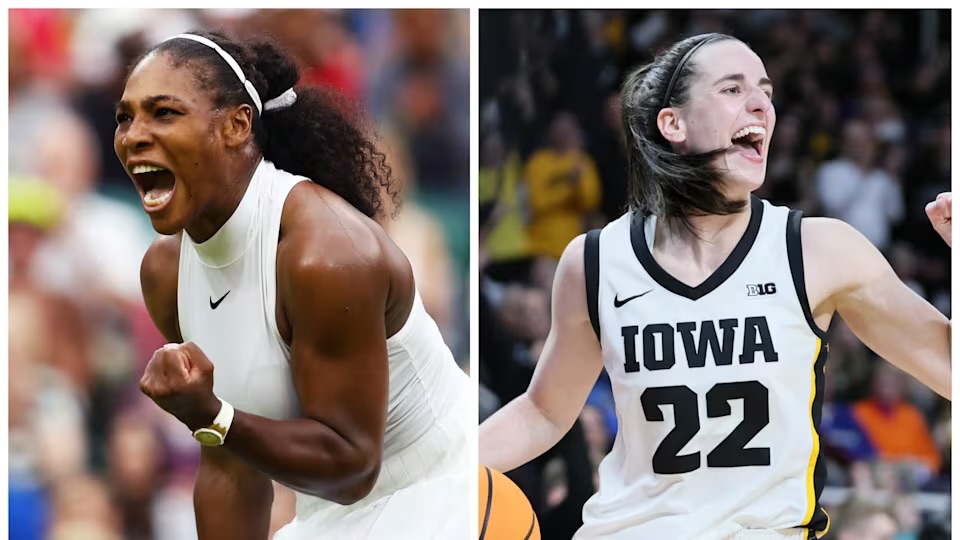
x,y
233,64
282,101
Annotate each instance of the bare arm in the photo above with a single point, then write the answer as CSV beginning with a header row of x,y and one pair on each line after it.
x,y
158,282
566,371
848,274
335,297
231,499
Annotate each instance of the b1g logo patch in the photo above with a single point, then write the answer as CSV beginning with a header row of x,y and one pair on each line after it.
x,y
761,289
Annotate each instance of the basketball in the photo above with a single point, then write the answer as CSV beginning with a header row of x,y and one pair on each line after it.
x,y
505,513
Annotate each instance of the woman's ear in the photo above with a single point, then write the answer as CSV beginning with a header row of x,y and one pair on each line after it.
x,y
671,126
238,126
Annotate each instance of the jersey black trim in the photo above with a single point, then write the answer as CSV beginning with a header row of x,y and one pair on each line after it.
x,y
639,240
795,257
591,266
820,521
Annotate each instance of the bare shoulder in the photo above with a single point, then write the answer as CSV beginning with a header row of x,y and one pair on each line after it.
x,y
158,282
571,268
163,254
322,233
822,231
570,283
330,248
837,258
833,242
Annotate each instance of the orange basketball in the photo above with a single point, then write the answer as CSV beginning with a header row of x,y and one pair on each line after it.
x,y
505,512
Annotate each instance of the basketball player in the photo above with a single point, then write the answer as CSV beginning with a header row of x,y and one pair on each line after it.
x,y
709,309
300,350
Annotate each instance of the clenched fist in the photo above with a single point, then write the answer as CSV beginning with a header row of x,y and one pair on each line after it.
x,y
940,213
179,378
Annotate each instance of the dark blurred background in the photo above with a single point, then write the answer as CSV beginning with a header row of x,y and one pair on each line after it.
x,y
863,135
90,457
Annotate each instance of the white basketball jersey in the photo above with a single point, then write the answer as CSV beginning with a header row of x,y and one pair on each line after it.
x,y
718,388
227,304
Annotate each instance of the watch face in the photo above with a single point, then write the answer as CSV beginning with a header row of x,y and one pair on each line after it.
x,y
208,437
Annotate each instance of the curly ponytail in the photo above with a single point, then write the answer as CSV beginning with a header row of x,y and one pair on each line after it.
x,y
321,136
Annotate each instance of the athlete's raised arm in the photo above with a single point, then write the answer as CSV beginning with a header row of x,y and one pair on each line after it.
x,y
334,288
231,498
566,371
847,274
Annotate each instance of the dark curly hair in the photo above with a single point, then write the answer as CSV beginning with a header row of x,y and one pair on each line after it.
x,y
323,136
662,182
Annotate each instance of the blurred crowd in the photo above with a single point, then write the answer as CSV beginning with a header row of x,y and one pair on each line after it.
x,y
862,134
90,457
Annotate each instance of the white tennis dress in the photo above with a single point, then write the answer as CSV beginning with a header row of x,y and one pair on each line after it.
x,y
226,300
718,389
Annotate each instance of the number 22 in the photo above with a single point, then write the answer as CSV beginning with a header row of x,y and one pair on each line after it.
x,y
732,451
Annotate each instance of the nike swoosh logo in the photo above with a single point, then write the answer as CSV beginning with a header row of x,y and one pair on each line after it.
x,y
213,305
617,302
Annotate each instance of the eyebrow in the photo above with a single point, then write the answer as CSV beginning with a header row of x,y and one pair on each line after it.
x,y
739,77
152,101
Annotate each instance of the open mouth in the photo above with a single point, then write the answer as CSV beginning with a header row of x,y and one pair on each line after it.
x,y
156,186
749,141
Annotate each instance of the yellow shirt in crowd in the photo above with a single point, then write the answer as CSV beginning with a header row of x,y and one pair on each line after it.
x,y
507,239
560,198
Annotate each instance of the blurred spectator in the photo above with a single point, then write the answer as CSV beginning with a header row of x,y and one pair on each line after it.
x,y
94,254
825,131
611,157
564,189
853,188
860,521
422,239
133,458
896,428
82,510
52,375
511,319
908,518
97,105
842,437
789,170
327,50
420,82
503,216
34,209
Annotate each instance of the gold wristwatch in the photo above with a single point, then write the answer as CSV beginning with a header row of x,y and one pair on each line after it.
x,y
216,433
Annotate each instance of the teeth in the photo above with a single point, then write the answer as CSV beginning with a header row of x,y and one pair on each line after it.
x,y
153,198
748,130
140,169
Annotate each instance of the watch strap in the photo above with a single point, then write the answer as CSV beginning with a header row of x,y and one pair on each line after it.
x,y
221,424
